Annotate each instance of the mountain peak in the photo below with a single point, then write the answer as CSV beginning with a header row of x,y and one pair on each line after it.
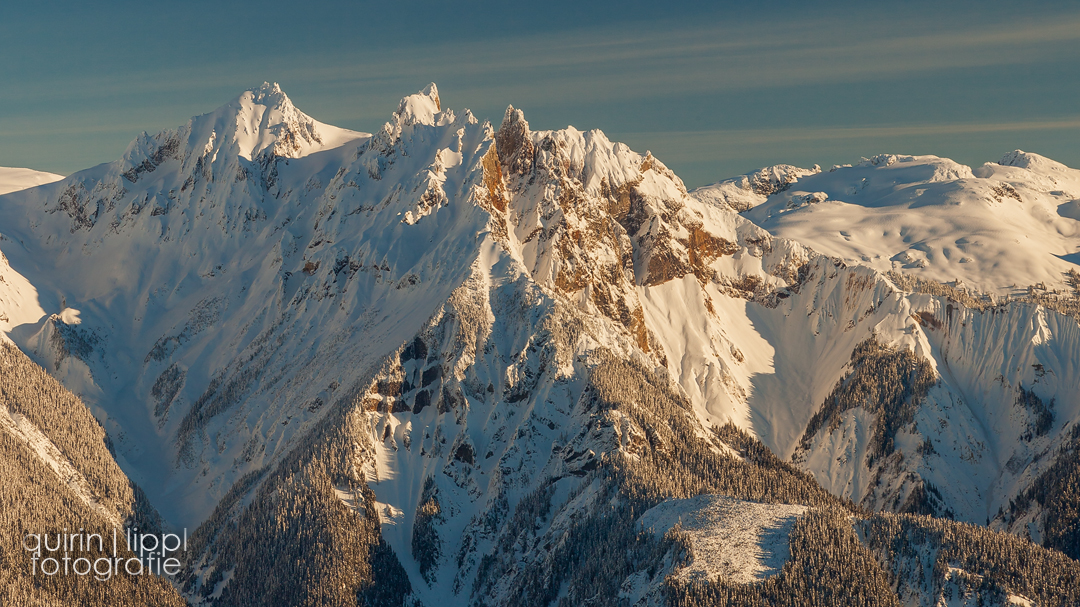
x,y
268,94
424,107
266,118
1017,158
259,121
513,141
1033,162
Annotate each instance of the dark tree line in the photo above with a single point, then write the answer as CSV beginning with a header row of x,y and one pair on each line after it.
x,y
1002,562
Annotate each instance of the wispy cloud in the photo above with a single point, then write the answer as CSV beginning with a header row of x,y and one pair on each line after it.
x,y
697,141
560,72
594,66
706,156
666,59
661,59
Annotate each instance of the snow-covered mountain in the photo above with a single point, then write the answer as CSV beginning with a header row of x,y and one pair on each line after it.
x,y
998,229
1001,377
457,354
256,281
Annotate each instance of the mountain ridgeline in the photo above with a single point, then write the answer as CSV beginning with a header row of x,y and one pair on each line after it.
x,y
453,364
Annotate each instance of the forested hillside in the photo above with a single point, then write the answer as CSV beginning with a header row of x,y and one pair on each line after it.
x,y
58,476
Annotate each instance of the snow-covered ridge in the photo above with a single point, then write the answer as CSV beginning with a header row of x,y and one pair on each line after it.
x,y
252,296
452,286
745,192
14,179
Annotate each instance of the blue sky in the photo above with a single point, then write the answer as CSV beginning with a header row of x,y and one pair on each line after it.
x,y
712,89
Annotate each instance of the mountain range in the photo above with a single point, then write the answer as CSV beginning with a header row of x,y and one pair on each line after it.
x,y
449,363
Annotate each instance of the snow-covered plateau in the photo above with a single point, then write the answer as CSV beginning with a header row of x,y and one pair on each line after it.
x,y
450,363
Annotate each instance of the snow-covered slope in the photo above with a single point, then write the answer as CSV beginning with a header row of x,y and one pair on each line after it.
x,y
998,228
18,298
999,394
13,180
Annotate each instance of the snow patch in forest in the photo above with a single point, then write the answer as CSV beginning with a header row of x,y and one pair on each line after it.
x,y
742,542
388,514
350,497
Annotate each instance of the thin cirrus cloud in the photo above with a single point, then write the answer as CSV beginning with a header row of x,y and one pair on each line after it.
x,y
600,65
713,155
740,57
688,145
699,88
662,59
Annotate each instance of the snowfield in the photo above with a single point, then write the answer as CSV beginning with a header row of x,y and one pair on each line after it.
x,y
13,180
743,542
997,228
